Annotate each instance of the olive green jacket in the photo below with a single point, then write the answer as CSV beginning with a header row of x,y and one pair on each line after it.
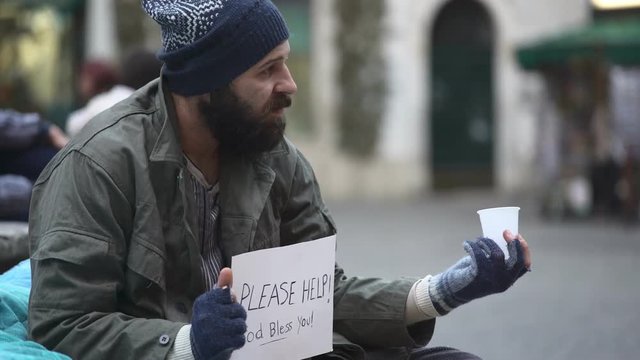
x,y
114,252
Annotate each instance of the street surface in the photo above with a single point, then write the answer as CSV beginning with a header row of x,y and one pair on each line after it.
x,y
581,301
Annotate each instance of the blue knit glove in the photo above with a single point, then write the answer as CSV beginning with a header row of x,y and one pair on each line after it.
x,y
483,272
217,326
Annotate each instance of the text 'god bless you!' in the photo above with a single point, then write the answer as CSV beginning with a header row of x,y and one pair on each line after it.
x,y
286,292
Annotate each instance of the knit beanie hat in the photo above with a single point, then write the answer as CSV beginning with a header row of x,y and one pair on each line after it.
x,y
208,43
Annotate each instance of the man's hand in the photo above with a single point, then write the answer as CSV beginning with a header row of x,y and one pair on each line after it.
x,y
57,138
218,323
225,278
526,253
483,272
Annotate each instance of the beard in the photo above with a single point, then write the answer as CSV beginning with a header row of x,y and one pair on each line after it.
x,y
240,131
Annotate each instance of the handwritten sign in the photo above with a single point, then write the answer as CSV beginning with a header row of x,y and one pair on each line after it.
x,y
288,295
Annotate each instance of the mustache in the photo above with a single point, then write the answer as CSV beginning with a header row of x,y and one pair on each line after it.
x,y
279,101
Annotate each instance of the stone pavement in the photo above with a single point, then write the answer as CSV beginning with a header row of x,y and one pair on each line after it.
x,y
581,301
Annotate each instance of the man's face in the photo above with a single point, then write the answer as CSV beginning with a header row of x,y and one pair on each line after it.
x,y
247,117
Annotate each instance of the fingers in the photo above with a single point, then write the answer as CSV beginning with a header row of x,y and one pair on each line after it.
x,y
485,247
525,252
524,247
57,138
508,236
474,251
479,256
225,278
225,281
237,311
238,340
490,247
221,295
237,326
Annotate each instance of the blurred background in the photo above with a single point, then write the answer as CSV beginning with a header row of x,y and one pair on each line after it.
x,y
404,98
417,113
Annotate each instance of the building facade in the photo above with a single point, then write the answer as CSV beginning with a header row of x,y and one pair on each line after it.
x,y
453,83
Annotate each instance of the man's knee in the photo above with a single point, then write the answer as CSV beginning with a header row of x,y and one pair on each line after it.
x,y
441,353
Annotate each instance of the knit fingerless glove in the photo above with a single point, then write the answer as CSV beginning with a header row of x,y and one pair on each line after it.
x,y
483,272
217,326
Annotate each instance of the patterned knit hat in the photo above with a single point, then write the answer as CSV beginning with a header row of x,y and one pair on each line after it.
x,y
208,43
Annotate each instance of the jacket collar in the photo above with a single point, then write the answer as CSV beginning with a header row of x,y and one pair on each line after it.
x,y
167,146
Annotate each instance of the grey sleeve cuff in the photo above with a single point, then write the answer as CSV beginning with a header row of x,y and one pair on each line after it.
x,y
181,349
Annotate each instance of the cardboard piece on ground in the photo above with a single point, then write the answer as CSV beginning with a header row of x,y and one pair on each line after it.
x,y
288,295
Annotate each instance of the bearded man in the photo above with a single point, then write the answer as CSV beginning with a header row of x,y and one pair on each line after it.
x,y
135,222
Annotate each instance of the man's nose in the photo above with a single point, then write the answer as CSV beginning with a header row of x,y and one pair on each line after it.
x,y
286,84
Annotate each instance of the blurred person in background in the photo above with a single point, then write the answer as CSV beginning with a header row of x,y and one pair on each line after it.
x,y
162,190
27,143
138,68
101,85
624,89
97,89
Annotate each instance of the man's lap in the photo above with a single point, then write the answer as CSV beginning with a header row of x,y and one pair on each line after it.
x,y
441,353
426,353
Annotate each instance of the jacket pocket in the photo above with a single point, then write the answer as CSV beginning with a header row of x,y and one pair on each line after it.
x,y
146,261
236,233
73,246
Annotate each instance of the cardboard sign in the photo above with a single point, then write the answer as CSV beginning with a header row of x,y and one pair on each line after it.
x,y
288,295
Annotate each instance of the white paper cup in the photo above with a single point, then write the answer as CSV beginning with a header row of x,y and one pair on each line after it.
x,y
496,220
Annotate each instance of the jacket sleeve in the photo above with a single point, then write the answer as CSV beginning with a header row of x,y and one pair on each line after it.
x,y
368,312
19,131
80,220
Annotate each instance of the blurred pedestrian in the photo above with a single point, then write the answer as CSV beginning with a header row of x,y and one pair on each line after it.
x,y
101,85
98,88
27,144
139,67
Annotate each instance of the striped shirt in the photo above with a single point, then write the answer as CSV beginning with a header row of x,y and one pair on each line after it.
x,y
207,210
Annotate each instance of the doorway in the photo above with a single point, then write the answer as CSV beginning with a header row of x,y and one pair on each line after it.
x,y
462,124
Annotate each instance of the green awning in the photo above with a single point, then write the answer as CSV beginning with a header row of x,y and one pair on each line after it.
x,y
617,42
63,5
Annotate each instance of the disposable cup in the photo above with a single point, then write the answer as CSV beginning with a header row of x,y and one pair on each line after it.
x,y
496,220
